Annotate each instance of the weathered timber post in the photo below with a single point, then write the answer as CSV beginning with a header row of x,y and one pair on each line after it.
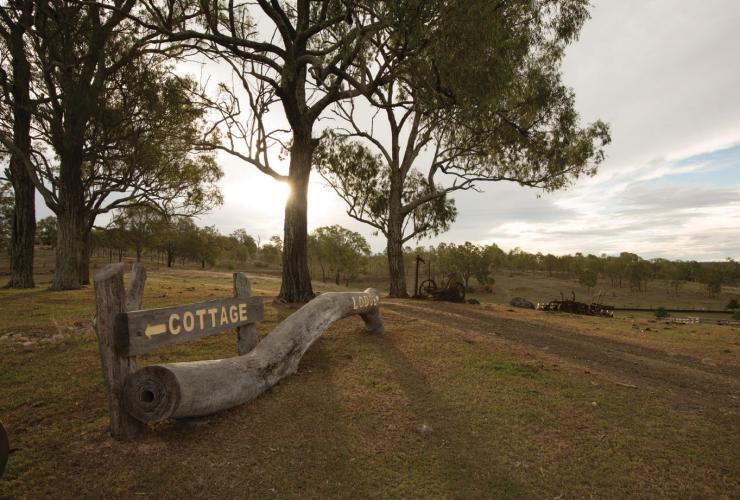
x,y
200,388
111,299
246,336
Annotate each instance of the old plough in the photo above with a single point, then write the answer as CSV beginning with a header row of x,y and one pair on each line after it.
x,y
574,307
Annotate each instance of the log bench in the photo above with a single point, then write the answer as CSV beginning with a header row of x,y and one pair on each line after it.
x,y
197,388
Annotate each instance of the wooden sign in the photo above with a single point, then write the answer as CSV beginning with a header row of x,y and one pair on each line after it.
x,y
139,332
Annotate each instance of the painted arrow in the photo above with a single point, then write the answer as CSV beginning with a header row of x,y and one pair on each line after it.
x,y
152,330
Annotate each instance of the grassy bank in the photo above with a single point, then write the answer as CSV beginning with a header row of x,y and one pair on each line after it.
x,y
424,410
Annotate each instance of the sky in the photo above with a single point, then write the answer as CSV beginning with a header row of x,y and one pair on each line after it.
x,y
665,74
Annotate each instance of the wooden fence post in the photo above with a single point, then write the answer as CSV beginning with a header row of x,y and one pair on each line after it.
x,y
111,299
246,336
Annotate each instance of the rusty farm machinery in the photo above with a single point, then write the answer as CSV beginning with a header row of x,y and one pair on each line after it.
x,y
452,291
574,307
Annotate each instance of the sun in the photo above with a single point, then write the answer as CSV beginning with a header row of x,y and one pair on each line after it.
x,y
262,198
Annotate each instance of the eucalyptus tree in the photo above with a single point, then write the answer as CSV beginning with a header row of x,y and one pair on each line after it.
x,y
339,251
46,231
298,57
463,262
247,245
482,102
140,223
113,126
16,19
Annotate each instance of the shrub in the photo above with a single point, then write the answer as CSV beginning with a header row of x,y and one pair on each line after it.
x,y
588,278
661,312
736,315
733,304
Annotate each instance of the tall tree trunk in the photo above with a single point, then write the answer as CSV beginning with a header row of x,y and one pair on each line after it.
x,y
72,215
24,227
85,258
396,266
24,210
296,282
70,250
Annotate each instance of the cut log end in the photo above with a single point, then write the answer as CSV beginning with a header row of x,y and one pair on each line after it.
x,y
151,394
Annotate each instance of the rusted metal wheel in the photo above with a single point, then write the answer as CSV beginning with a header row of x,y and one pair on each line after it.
x,y
427,288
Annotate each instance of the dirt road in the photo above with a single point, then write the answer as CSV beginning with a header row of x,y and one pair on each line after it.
x,y
693,383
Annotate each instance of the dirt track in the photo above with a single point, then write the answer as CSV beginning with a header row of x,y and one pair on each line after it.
x,y
690,382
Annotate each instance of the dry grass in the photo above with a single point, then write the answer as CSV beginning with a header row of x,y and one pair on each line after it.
x,y
425,410
542,288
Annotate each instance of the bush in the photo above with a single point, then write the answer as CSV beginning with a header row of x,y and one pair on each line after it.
x,y
588,278
733,304
661,312
736,315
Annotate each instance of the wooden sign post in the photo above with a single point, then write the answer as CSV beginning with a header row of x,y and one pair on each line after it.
x,y
125,331
111,300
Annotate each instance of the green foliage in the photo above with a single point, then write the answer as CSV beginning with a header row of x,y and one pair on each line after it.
x,y
736,315
138,226
246,248
462,262
154,122
272,252
46,231
493,71
339,253
364,181
733,304
713,279
661,312
587,277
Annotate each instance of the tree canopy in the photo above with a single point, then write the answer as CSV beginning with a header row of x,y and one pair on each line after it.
x,y
482,101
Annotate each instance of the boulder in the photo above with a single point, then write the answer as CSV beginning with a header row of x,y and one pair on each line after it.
x,y
521,302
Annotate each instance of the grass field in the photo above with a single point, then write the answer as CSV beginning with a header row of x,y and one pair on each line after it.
x,y
453,401
536,287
